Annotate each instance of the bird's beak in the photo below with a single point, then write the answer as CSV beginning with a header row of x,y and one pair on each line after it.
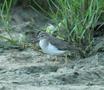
x,y
35,40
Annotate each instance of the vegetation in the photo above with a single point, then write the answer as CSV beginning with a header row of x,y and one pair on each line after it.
x,y
76,18
5,15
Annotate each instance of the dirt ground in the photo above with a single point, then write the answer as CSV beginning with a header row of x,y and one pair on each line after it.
x,y
30,69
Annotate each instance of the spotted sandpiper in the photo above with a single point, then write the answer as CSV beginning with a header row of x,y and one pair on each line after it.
x,y
52,45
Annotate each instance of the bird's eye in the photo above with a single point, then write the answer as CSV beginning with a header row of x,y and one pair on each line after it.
x,y
41,35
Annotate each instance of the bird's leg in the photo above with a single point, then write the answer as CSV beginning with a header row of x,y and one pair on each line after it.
x,y
66,59
48,57
56,60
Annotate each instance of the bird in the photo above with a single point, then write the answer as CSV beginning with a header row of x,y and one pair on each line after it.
x,y
53,46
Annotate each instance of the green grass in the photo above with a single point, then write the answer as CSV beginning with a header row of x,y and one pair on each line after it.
x,y
6,18
77,18
5,15
74,19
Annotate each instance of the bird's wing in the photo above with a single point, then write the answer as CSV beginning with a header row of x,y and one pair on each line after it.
x,y
61,44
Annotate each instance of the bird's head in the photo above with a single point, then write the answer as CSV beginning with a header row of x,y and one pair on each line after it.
x,y
42,35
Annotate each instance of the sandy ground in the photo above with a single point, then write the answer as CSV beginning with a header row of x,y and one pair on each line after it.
x,y
32,70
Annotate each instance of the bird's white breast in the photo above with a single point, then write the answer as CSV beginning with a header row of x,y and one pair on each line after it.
x,y
49,48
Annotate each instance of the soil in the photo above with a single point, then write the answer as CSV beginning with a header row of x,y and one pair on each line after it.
x,y
30,69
